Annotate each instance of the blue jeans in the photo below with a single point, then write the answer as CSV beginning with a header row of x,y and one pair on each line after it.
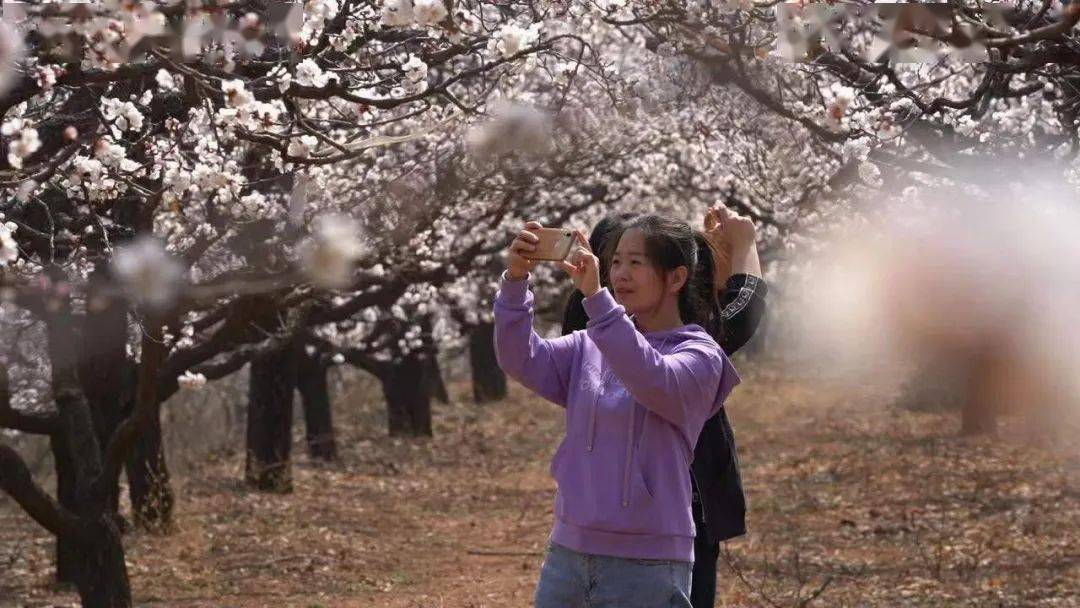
x,y
570,579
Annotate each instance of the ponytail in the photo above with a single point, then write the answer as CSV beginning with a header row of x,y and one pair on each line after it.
x,y
706,287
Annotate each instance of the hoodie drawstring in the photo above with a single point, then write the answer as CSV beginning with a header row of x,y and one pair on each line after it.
x,y
629,457
591,436
629,441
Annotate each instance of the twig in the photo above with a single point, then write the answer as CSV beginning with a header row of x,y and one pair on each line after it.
x,y
505,553
265,564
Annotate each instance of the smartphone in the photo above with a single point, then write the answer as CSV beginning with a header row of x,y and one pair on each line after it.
x,y
554,245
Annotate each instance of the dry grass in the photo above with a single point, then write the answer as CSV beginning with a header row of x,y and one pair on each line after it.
x,y
853,503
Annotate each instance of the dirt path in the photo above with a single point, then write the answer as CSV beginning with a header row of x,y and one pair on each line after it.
x,y
880,507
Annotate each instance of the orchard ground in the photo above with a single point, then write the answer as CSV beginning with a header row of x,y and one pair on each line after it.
x,y
853,502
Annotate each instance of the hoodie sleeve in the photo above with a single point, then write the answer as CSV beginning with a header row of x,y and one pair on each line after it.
x,y
681,386
542,366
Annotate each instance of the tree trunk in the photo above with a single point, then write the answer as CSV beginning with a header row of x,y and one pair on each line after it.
x,y
977,419
318,413
434,380
104,581
269,429
101,573
149,489
432,376
979,415
67,552
489,381
408,400
105,372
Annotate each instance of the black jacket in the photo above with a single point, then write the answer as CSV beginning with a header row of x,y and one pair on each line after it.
x,y
719,504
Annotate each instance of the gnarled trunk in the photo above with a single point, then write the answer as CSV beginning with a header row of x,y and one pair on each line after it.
x,y
67,553
408,397
489,381
318,414
103,579
106,374
434,380
979,413
269,420
149,488
100,569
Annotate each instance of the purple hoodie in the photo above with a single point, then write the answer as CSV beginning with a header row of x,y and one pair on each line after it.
x,y
635,404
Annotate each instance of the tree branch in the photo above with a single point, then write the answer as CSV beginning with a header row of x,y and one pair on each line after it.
x,y
16,481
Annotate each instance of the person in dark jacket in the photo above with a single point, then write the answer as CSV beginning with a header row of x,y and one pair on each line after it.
x,y
719,506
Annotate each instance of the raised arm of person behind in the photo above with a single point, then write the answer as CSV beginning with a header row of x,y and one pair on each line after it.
x,y
742,289
719,505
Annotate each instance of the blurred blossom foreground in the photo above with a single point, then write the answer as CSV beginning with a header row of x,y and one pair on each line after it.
x,y
980,291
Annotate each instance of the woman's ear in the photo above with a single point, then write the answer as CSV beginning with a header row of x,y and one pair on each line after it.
x,y
676,279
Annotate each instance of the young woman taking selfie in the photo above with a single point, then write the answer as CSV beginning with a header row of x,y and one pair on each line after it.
x,y
719,506
638,385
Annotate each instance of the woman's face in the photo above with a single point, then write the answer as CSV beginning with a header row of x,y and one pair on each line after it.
x,y
637,283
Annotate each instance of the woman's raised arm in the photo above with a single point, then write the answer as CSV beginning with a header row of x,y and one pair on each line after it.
x,y
541,365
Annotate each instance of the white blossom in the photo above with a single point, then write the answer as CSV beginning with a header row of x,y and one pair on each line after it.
x,y
255,205
869,173
87,170
149,274
302,146
166,82
46,75
467,22
316,14
397,12
12,127
429,12
327,258
267,114
236,94
191,381
22,147
837,108
9,251
856,148
309,74
512,39
415,74
966,126
25,191
124,115
281,76
110,153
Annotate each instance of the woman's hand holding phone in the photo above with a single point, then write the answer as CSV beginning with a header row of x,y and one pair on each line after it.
x,y
517,264
583,267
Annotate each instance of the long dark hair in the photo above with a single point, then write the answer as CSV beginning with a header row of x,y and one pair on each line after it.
x,y
668,244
